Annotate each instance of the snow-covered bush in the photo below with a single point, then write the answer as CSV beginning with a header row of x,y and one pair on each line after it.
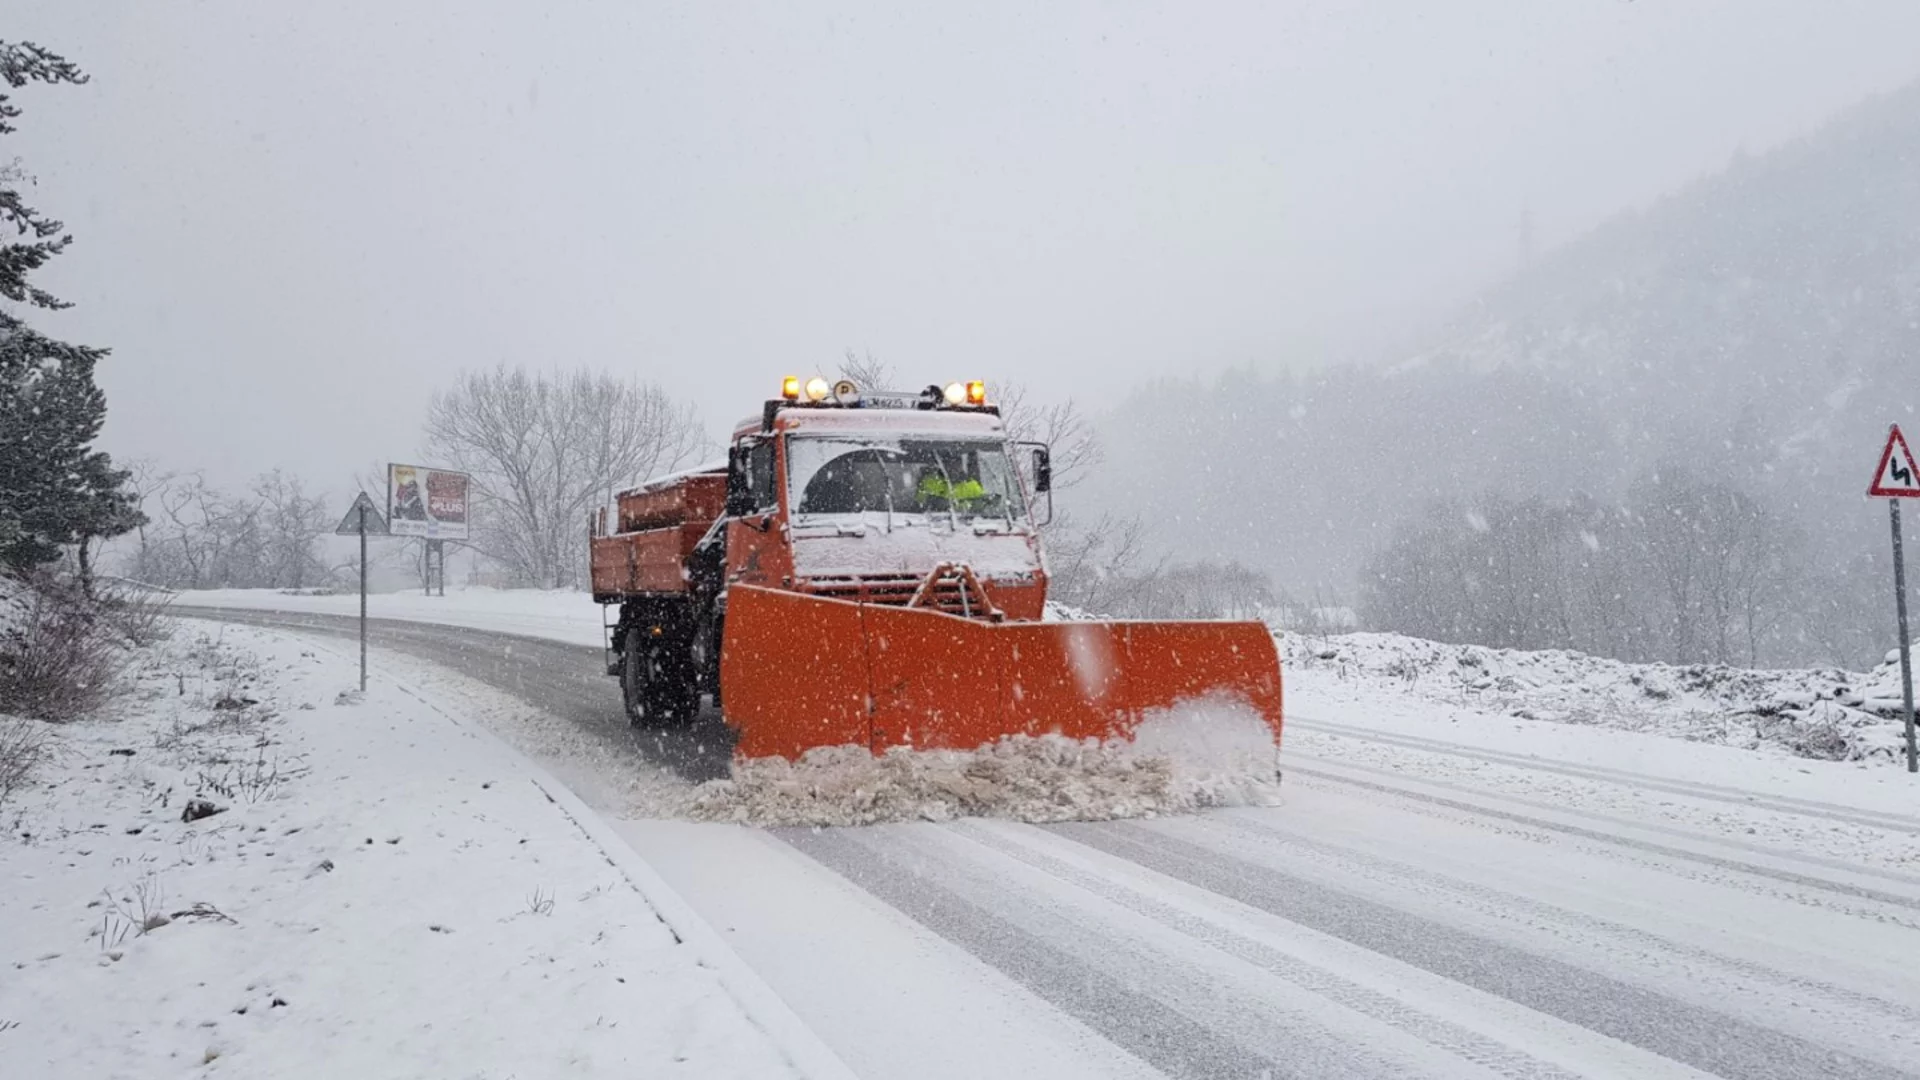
x,y
136,614
59,658
23,749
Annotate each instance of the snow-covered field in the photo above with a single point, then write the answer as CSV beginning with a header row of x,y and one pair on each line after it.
x,y
375,889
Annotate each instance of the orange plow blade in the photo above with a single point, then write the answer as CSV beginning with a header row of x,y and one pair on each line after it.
x,y
799,672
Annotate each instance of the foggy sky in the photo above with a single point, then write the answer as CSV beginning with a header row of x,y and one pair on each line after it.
x,y
293,222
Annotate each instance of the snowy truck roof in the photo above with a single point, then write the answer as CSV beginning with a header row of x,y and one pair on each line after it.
x,y
705,468
916,421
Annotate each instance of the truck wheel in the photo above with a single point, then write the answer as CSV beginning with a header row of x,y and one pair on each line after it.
x,y
659,691
680,705
676,688
706,658
635,686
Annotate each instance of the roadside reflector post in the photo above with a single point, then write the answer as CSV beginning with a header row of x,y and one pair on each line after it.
x,y
1899,478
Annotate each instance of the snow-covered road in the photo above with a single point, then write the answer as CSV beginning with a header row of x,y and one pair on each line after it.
x,y
1420,906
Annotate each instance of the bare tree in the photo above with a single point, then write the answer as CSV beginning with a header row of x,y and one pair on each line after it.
x,y
292,524
1687,572
200,537
545,449
184,544
1208,589
1100,567
1075,447
867,371
147,480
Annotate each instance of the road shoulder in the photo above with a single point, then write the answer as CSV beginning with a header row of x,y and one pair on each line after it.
x,y
383,891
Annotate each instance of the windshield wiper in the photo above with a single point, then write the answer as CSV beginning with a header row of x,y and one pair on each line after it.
x,y
953,522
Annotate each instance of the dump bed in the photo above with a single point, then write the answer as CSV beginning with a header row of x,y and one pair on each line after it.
x,y
657,526
684,500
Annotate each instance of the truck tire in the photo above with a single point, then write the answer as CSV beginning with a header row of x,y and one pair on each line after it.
x,y
657,685
676,689
635,687
706,657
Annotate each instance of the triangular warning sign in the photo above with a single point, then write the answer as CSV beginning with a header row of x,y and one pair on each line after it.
x,y
1897,478
350,525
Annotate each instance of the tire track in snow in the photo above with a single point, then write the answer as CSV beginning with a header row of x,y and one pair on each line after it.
x,y
1491,1054
1500,902
1784,804
1685,865
1809,881
1703,1038
1612,823
1128,1016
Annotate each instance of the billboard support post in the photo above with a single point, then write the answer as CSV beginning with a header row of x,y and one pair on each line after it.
x,y
433,577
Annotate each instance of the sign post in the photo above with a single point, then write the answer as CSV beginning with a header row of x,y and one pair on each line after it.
x,y
363,519
1897,479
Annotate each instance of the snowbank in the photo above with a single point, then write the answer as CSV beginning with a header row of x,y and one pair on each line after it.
x,y
251,873
1817,713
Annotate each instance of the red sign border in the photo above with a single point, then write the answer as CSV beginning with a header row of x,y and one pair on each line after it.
x,y
1878,492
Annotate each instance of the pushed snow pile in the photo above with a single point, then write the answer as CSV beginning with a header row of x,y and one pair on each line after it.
x,y
1823,713
1193,756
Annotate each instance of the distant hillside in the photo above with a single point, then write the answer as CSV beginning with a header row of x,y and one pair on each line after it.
x,y
1760,327
1764,323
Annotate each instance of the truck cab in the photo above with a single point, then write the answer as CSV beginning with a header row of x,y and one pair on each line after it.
x,y
885,498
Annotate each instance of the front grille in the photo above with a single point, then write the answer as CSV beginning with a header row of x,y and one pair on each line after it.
x,y
950,593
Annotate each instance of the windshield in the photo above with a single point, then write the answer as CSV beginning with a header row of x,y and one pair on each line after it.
x,y
969,478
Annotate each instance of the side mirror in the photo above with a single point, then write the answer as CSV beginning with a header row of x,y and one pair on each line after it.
x,y
1042,470
739,491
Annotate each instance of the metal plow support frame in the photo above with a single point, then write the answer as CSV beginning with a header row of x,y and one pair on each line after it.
x,y
805,671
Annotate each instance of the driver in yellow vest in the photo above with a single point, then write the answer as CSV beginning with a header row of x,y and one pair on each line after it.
x,y
936,490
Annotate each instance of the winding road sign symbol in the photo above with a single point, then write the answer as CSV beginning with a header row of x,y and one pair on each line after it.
x,y
1897,478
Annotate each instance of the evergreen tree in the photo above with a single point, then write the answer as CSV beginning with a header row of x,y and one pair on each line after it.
x,y
55,488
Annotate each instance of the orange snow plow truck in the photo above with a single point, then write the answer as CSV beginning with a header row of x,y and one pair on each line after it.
x,y
865,569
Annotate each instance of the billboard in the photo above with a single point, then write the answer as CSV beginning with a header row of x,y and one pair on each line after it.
x,y
427,502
